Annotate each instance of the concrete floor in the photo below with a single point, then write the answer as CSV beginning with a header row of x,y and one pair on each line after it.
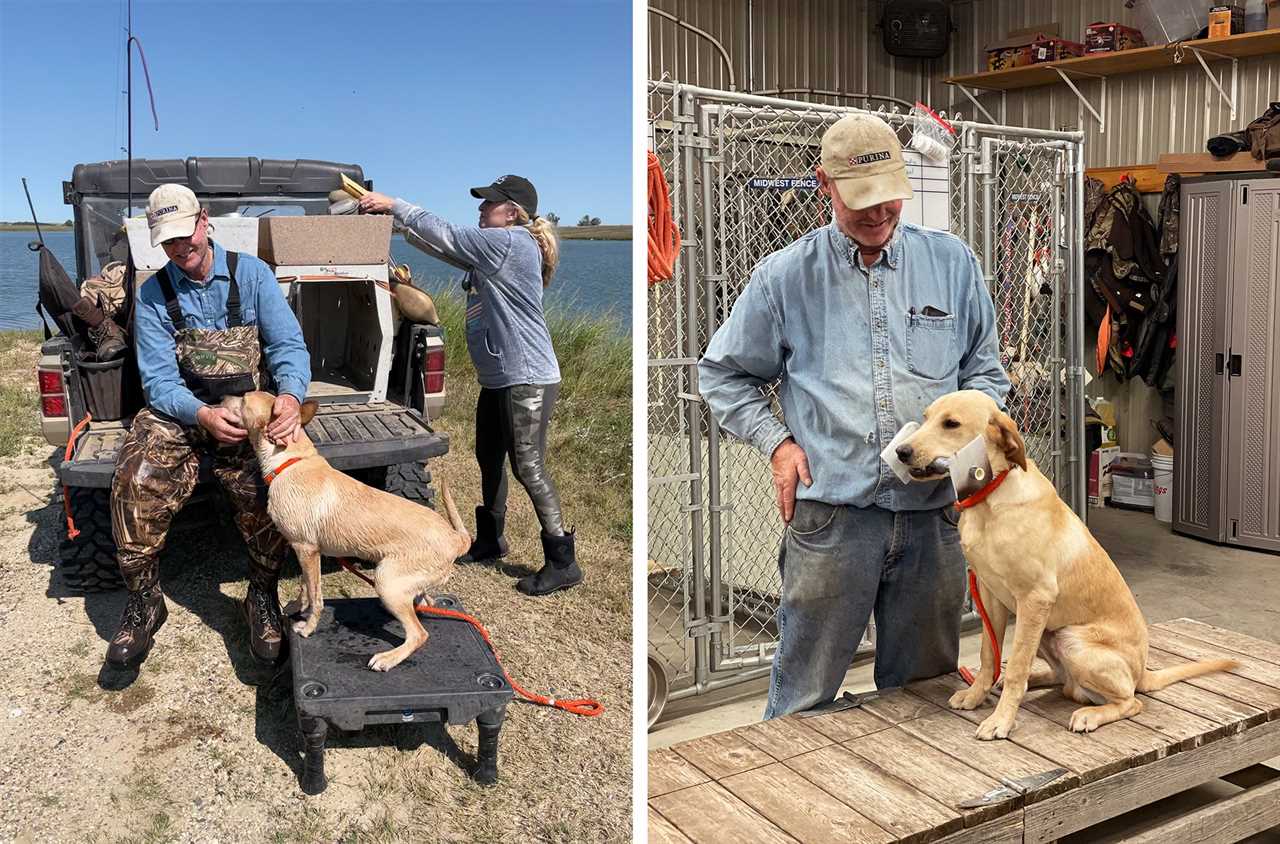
x,y
1171,576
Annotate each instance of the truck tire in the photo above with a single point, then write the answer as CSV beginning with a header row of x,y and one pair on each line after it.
x,y
407,480
88,562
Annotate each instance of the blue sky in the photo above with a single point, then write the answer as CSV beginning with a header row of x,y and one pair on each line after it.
x,y
430,97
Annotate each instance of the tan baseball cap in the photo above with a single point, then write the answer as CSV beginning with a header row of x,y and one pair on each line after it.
x,y
172,211
861,154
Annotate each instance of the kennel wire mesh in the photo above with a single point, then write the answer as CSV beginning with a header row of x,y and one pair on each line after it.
x,y
740,169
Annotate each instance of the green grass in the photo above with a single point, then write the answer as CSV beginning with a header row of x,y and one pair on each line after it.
x,y
590,449
19,399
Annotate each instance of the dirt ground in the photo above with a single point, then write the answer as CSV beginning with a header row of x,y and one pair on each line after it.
x,y
204,745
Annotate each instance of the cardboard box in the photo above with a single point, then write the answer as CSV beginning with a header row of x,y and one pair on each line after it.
x,y
1099,486
1053,49
1273,14
346,239
1018,47
1111,37
1225,20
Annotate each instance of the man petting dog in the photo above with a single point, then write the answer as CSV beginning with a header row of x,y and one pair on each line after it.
x,y
866,321
209,324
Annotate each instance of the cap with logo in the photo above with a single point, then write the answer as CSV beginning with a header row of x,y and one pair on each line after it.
x,y
172,211
514,188
862,156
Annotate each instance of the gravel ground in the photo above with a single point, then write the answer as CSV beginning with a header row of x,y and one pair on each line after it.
x,y
204,746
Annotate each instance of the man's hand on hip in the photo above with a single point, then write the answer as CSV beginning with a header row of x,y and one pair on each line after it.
x,y
286,420
217,421
790,468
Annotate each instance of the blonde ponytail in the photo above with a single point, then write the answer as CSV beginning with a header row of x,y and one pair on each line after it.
x,y
545,234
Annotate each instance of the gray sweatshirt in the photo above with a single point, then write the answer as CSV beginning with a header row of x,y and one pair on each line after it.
x,y
507,332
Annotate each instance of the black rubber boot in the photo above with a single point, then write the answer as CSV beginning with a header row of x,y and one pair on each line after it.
x,y
560,570
489,543
144,613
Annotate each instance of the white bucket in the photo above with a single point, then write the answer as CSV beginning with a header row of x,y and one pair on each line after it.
x,y
1162,487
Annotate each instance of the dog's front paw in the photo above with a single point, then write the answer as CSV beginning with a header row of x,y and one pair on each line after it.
x,y
970,698
1085,720
996,726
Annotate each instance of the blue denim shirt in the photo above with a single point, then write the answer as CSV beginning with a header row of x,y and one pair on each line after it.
x,y
204,304
861,352
507,333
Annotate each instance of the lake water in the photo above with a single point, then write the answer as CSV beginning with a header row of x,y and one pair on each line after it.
x,y
594,275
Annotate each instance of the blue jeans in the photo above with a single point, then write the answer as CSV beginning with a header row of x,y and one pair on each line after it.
x,y
838,564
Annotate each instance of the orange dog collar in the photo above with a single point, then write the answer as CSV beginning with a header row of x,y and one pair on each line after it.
x,y
275,473
978,496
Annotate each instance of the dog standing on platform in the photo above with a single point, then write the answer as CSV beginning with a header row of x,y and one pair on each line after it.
x,y
319,510
1035,558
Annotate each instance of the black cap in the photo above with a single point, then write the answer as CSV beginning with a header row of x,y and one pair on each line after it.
x,y
515,188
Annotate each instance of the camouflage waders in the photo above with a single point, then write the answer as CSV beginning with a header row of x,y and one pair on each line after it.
x,y
159,463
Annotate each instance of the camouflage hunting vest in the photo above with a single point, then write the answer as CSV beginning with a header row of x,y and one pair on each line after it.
x,y
215,363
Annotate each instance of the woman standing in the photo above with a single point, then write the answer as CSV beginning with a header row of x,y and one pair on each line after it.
x,y
512,254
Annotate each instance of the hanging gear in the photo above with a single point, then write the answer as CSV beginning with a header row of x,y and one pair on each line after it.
x,y
664,236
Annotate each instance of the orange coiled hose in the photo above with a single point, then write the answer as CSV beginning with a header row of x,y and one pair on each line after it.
x,y
72,532
664,237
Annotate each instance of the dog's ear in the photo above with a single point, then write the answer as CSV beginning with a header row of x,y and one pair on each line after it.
x,y
1004,433
308,411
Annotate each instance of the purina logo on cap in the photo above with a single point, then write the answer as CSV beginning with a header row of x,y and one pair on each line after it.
x,y
160,212
869,157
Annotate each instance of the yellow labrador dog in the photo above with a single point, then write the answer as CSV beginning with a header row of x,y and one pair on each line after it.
x,y
1035,558
319,510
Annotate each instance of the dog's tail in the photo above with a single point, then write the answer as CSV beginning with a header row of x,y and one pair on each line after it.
x,y
1154,681
455,520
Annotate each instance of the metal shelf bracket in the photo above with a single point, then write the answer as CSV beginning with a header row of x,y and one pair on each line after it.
x,y
1230,99
964,89
1084,103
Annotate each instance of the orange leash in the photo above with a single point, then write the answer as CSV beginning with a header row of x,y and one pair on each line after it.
x,y
986,622
72,533
664,237
578,706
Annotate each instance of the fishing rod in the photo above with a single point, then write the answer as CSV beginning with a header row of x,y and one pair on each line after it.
x,y
30,205
128,51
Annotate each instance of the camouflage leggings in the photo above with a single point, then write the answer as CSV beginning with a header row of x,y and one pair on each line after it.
x,y
156,472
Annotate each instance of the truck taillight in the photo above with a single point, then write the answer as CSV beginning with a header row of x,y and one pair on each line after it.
x,y
50,381
433,371
53,405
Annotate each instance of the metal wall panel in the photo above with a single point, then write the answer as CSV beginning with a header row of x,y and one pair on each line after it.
x,y
795,48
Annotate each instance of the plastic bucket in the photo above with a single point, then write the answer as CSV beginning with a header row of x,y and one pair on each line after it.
x,y
1162,487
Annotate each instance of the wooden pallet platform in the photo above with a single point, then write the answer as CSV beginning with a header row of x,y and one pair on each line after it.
x,y
894,769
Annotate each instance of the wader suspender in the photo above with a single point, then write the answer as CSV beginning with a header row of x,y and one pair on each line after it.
x,y
171,298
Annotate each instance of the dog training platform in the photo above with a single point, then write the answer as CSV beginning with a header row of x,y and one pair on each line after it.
x,y
898,767
452,679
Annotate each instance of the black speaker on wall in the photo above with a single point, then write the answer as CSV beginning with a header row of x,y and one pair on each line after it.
x,y
918,29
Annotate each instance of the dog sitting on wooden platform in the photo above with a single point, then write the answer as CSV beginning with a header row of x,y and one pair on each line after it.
x,y
1035,558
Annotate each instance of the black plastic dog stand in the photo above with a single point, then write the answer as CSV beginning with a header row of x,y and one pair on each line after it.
x,y
452,679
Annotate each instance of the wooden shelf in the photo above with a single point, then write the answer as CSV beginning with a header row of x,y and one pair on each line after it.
x,y
1126,61
1197,163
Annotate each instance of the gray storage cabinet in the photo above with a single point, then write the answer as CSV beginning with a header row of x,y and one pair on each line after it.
x,y
1226,484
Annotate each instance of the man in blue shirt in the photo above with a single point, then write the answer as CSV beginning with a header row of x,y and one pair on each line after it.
x,y
865,321
209,324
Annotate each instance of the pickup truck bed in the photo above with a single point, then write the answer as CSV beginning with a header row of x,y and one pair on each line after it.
x,y
349,436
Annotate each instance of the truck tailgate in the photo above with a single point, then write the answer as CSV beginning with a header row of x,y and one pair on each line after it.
x,y
349,436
